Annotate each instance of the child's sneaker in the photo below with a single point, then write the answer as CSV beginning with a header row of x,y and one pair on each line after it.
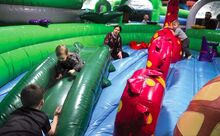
x,y
189,57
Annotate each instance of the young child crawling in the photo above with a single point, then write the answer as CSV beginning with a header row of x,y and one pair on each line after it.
x,y
68,63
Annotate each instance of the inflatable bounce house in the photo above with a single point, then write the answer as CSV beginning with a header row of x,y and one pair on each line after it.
x,y
154,91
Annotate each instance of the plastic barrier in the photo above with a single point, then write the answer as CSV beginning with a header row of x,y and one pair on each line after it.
x,y
67,91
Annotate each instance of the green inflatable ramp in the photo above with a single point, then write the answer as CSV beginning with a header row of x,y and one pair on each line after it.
x,y
78,94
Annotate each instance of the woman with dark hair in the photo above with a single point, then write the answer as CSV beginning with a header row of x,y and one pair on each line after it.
x,y
113,40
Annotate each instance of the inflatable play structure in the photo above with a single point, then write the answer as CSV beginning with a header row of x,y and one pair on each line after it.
x,y
21,12
66,90
33,47
202,111
144,91
154,8
143,94
95,100
200,7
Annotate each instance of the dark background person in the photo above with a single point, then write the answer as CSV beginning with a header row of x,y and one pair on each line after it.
x,y
218,25
207,21
145,18
113,40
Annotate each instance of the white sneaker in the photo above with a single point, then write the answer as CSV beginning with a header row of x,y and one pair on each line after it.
x,y
189,57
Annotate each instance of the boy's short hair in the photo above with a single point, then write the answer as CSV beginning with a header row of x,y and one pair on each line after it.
x,y
146,15
59,47
31,95
175,22
118,27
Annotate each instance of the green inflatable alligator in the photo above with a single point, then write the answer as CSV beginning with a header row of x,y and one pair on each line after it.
x,y
78,94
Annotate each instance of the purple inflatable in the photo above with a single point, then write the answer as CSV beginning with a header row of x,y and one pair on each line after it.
x,y
208,50
44,22
41,22
34,21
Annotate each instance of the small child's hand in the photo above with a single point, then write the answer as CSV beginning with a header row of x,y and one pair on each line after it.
x,y
59,76
58,111
120,55
71,71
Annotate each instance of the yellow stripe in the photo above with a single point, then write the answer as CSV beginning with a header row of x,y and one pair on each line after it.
x,y
120,106
161,81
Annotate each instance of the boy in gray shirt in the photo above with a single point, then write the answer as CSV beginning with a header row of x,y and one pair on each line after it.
x,y
183,37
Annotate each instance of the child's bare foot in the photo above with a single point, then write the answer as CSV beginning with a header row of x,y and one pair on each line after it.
x,y
59,76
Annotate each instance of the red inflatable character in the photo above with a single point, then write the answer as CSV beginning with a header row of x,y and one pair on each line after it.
x,y
137,46
159,55
140,104
144,92
168,35
172,12
142,98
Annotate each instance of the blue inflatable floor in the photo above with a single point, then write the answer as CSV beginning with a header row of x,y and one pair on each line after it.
x,y
6,88
185,78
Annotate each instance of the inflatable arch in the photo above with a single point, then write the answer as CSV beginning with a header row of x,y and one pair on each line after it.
x,y
191,18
